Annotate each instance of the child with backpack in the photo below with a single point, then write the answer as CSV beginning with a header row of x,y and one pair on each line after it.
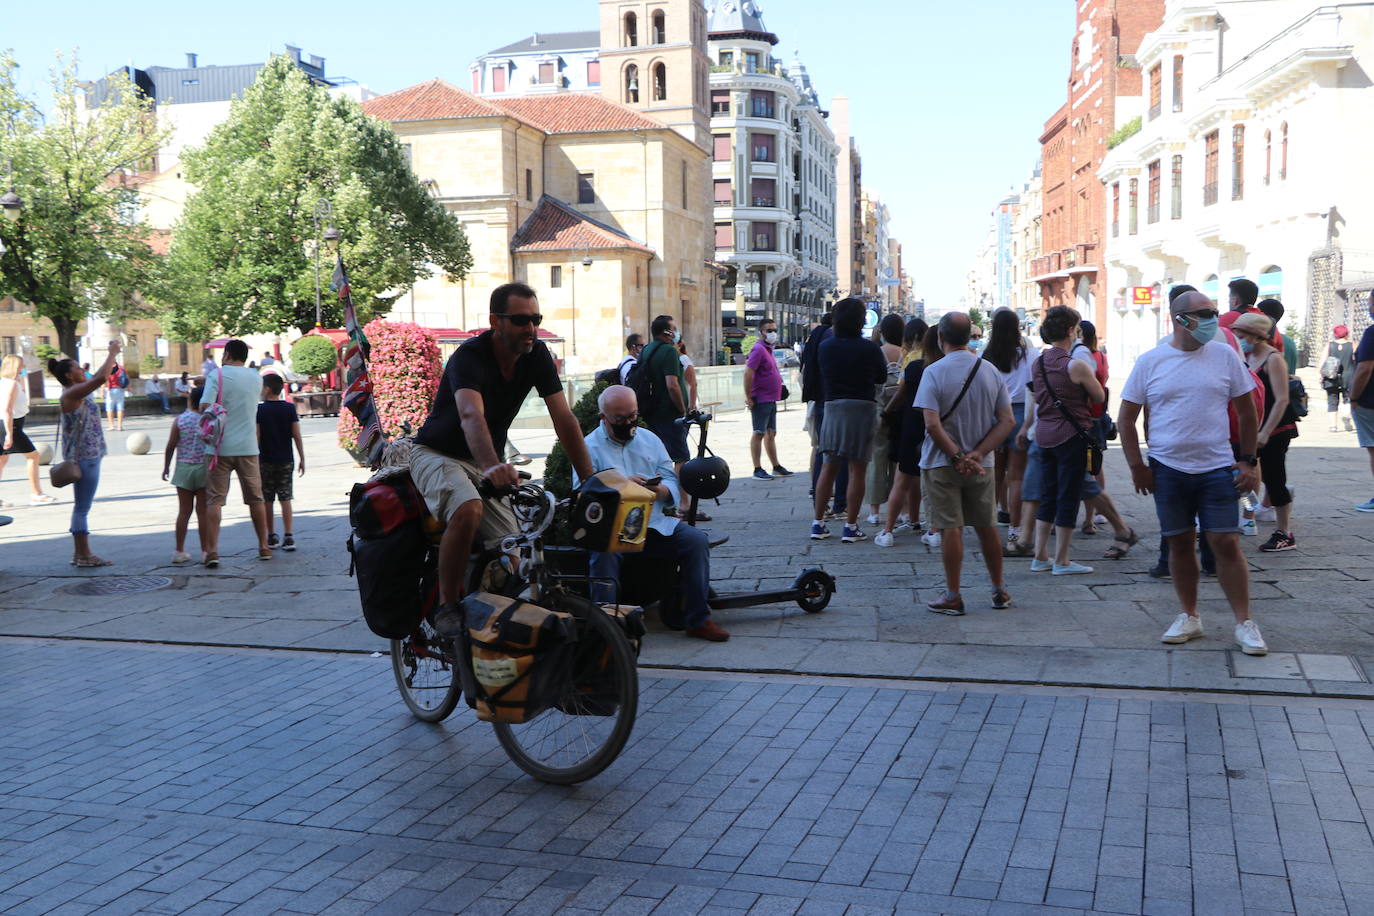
x,y
278,427
187,444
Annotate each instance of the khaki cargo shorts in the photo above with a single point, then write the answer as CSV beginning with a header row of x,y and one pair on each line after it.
x,y
217,480
953,500
447,483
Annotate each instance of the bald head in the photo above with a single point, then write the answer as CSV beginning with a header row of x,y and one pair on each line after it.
x,y
1189,302
955,329
617,401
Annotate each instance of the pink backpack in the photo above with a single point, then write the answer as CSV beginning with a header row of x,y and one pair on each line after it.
x,y
212,422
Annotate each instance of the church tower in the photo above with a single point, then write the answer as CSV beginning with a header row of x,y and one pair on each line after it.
x,y
653,58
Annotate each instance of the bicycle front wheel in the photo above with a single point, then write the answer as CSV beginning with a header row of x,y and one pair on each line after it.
x,y
587,726
423,665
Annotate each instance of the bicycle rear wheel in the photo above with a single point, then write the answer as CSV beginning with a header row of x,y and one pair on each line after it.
x,y
425,674
588,725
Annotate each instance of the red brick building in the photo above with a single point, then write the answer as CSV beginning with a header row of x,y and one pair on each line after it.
x,y
1074,214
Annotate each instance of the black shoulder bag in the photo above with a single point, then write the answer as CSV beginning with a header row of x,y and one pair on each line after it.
x,y
1094,446
962,391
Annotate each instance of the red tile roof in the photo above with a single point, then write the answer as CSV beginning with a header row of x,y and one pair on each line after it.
x,y
554,226
563,113
576,112
431,101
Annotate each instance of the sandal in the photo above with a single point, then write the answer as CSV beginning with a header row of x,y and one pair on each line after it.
x,y
212,561
1018,549
1089,529
91,562
1122,546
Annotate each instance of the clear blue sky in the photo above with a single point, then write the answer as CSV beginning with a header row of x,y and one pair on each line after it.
x,y
948,97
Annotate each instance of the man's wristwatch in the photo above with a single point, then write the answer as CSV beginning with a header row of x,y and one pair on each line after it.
x,y
958,456
1248,459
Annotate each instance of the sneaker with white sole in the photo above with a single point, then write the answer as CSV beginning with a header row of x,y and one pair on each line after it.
x,y
42,499
180,558
1280,541
1184,628
882,539
1041,565
904,528
1366,506
1071,569
873,519
1249,639
851,534
819,531
1248,527
932,539
1265,514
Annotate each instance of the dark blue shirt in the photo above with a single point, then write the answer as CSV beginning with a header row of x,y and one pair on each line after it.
x,y
1363,354
851,368
275,420
811,364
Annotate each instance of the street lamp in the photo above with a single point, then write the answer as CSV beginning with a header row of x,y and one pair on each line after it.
x,y
10,204
329,238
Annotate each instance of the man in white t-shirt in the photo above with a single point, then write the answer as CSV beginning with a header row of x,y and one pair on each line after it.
x,y
238,448
1186,383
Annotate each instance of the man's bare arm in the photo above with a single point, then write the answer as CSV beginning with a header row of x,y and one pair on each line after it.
x,y
569,432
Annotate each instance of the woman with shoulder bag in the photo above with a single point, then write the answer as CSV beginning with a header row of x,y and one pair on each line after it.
x,y
82,443
1279,425
889,335
14,409
906,434
1063,388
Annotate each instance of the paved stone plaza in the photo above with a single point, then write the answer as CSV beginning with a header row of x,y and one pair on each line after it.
x,y
228,741
178,779
1315,604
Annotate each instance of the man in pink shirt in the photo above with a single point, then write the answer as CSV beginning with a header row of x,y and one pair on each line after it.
x,y
762,391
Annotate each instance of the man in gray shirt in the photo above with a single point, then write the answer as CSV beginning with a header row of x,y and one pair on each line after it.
x,y
967,414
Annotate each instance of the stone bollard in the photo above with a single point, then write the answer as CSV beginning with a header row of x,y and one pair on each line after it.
x,y
138,444
44,453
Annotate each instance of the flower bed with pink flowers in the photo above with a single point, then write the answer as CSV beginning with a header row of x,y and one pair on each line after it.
x,y
405,371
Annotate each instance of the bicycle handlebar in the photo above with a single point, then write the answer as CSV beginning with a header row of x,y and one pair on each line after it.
x,y
489,490
694,418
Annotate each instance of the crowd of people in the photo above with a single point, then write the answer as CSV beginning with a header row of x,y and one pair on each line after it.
x,y
251,434
912,418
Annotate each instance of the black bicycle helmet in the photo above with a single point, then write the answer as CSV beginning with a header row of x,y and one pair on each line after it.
x,y
705,478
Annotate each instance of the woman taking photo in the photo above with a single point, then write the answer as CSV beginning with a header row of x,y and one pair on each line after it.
x,y
14,407
907,427
1063,388
83,441
1006,350
1279,426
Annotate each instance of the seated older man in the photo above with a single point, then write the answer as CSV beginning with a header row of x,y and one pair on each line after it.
x,y
640,455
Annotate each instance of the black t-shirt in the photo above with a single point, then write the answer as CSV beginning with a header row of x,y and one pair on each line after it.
x,y
473,366
275,419
851,368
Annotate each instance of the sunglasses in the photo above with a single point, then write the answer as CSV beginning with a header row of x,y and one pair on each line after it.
x,y
524,321
1200,314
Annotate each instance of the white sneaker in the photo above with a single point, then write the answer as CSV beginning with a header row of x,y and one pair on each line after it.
x,y
1249,639
873,519
42,499
882,539
1099,519
932,539
181,558
903,528
1071,569
1041,565
903,519
1184,628
1248,527
1266,514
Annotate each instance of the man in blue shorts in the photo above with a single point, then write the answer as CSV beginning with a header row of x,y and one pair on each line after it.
x,y
1186,384
762,391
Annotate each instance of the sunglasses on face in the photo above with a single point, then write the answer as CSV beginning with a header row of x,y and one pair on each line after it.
x,y
524,321
1200,314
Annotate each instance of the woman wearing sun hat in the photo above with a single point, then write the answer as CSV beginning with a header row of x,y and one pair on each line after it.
x,y
1278,427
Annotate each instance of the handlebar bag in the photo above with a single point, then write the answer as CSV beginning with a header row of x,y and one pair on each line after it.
x,y
611,514
519,657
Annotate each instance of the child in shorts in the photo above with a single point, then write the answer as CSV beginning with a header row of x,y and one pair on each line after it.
x,y
189,478
278,427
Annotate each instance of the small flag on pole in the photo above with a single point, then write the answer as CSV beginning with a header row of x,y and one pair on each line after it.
x,y
357,396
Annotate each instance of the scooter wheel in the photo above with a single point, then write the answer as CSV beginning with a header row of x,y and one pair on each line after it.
x,y
815,587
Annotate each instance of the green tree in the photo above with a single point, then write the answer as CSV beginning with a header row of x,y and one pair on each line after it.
x,y
241,259
77,247
976,316
314,355
150,364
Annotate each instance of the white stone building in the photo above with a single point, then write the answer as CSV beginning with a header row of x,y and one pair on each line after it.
x,y
1026,248
1251,161
544,62
773,176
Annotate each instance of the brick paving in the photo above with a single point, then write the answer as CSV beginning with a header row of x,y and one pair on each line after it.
x,y
197,780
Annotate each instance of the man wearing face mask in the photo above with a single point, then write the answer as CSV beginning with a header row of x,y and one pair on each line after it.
x,y
1186,384
661,361
762,391
639,454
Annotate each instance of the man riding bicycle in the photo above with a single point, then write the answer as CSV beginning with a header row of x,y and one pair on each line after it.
x,y
460,444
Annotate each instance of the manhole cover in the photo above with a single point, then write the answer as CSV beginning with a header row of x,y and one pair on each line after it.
x,y
117,585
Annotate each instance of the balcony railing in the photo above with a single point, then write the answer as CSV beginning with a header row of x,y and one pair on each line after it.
x,y
1209,194
765,202
761,111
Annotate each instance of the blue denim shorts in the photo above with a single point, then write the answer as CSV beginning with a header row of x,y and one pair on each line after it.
x,y
1018,415
765,416
1183,501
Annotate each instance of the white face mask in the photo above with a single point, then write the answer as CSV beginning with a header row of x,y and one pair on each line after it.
x,y
771,337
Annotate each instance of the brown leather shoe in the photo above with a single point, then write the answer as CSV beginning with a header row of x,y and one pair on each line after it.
x,y
709,631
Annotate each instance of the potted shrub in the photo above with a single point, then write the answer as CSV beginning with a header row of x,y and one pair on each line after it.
x,y
314,355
